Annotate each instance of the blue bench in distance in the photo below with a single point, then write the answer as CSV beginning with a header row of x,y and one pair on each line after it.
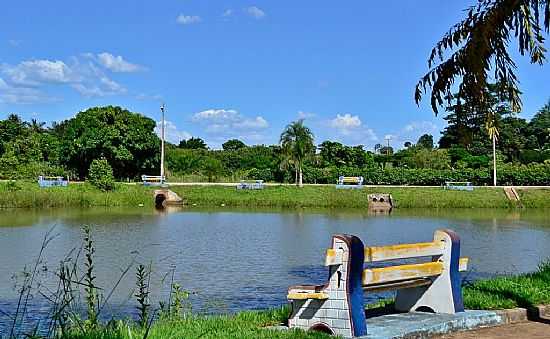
x,y
459,185
251,185
338,306
350,182
45,181
153,180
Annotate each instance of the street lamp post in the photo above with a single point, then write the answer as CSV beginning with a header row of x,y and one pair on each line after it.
x,y
162,144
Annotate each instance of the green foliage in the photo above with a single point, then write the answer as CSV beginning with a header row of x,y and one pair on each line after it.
x,y
127,140
479,44
100,175
193,143
297,146
425,141
142,295
233,145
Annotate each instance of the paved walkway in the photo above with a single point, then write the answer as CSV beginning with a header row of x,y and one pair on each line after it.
x,y
524,330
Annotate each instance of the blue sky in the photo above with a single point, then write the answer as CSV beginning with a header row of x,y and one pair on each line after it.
x,y
235,69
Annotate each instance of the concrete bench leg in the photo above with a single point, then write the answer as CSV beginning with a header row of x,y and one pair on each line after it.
x,y
444,295
343,313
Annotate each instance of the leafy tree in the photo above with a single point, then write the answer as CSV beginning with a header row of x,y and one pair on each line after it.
x,y
233,145
386,150
426,141
297,145
125,139
193,143
540,126
212,168
377,148
10,129
100,175
407,144
479,44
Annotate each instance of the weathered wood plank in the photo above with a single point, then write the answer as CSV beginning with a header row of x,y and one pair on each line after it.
x,y
401,272
307,295
403,251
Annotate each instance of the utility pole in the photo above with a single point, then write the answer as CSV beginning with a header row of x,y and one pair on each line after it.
x,y
162,144
494,160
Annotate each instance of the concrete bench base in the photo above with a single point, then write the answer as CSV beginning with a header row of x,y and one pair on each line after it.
x,y
426,325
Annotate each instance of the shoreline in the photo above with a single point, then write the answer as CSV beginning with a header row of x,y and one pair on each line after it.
x,y
29,195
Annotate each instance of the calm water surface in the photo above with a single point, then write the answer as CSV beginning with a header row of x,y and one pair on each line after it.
x,y
244,259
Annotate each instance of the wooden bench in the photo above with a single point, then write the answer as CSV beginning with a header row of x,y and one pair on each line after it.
x,y
153,180
337,307
459,185
349,182
45,181
251,185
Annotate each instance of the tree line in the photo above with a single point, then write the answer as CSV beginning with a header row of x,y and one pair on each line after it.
x,y
128,143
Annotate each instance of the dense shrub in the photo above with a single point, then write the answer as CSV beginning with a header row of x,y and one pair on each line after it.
x,y
507,174
100,175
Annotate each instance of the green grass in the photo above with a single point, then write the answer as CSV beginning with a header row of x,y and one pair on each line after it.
x,y
526,290
29,195
245,325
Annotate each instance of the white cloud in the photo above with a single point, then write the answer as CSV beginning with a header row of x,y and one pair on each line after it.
x,y
21,95
171,132
424,126
345,123
14,43
27,81
222,124
227,13
255,12
188,19
149,97
35,72
117,63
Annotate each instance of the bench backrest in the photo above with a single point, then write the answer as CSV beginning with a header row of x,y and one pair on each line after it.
x,y
350,180
49,181
152,178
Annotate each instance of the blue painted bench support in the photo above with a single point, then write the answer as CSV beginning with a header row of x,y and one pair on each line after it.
x,y
44,181
153,180
349,182
337,307
459,185
251,185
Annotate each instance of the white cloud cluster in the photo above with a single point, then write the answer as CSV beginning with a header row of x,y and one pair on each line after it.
x,y
183,19
423,126
255,12
117,63
227,123
227,13
171,132
27,81
345,123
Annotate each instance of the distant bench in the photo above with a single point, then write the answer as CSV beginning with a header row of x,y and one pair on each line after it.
x,y
45,181
459,185
349,182
153,180
337,307
251,185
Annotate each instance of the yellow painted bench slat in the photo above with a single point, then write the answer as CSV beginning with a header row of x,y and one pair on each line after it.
x,y
401,272
402,251
307,295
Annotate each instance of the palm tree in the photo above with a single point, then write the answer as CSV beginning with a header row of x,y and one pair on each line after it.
x,y
297,145
479,44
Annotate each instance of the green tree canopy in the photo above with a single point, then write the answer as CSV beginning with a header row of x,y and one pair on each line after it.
x,y
126,140
297,145
426,141
193,143
233,145
480,44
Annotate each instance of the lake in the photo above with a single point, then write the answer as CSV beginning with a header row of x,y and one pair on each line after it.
x,y
233,259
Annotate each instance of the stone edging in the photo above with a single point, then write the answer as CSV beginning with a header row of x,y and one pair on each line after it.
x,y
515,315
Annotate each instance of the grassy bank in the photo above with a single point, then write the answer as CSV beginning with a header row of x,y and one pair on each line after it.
x,y
525,290
28,195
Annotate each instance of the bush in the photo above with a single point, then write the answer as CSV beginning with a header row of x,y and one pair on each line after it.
x,y
100,175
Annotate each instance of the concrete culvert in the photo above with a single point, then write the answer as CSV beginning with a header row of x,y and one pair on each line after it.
x,y
159,200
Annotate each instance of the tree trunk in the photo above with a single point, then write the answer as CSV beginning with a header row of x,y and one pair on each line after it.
x,y
494,162
296,176
301,184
